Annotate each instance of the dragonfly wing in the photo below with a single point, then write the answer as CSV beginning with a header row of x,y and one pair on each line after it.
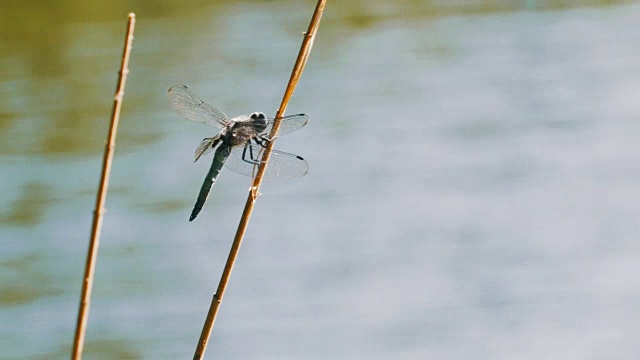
x,y
288,124
191,107
281,165
204,148
285,165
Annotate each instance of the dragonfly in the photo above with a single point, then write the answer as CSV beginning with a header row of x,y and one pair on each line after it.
x,y
240,143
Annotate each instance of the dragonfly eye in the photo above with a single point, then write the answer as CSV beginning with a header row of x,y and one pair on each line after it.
x,y
258,116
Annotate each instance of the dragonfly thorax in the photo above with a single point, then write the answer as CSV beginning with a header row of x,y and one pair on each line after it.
x,y
240,133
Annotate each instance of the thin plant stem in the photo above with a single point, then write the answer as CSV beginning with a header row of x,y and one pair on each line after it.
x,y
301,60
92,254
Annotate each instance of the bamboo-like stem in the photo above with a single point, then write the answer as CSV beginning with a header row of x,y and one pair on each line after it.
x,y
301,60
92,254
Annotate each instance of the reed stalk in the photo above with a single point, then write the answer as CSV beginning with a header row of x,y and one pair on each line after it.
x,y
92,254
301,60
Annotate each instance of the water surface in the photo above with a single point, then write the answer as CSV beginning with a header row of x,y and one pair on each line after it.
x,y
472,192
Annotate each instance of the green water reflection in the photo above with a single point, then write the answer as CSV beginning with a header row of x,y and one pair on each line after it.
x,y
25,281
59,60
29,208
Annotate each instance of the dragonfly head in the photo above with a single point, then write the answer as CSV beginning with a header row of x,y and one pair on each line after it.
x,y
259,119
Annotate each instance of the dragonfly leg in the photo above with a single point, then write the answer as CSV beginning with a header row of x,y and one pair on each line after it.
x,y
267,138
261,140
252,160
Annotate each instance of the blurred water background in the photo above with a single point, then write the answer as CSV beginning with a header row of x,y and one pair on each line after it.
x,y
473,187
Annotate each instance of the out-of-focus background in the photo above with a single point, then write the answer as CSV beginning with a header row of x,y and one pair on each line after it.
x,y
473,187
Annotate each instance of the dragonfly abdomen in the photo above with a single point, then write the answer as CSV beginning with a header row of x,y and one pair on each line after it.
x,y
220,157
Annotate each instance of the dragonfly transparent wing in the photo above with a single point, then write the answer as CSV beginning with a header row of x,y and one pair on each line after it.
x,y
281,164
288,124
191,107
204,148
